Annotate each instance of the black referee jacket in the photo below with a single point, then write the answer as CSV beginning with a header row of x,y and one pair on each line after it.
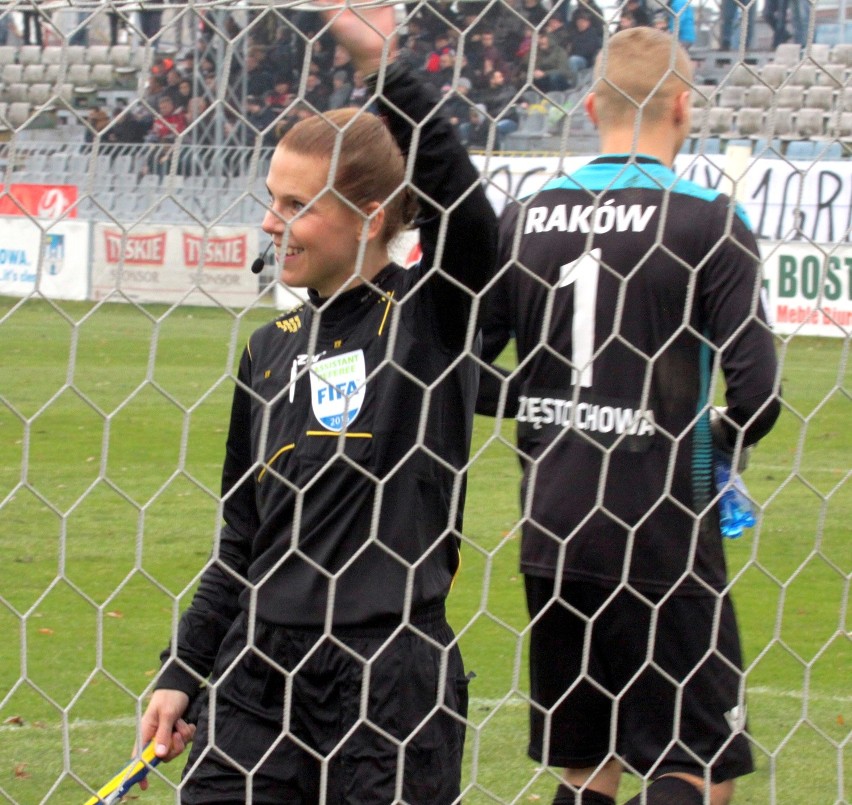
x,y
351,423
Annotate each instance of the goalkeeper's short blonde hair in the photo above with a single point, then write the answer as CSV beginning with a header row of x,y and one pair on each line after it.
x,y
639,71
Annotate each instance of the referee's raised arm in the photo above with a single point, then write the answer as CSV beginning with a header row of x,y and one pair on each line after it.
x,y
444,177
458,226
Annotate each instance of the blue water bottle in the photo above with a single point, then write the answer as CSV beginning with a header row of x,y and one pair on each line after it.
x,y
735,508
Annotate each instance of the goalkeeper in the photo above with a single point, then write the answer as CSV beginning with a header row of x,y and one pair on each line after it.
x,y
626,289
320,621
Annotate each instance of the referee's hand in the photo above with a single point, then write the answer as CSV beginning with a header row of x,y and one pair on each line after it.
x,y
163,723
366,33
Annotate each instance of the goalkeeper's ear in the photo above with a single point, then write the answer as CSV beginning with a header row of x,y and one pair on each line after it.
x,y
591,109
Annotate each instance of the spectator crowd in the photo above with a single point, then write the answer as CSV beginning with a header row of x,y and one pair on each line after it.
x,y
508,53
288,69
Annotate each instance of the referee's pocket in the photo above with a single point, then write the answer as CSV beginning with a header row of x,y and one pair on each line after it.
x,y
462,685
463,694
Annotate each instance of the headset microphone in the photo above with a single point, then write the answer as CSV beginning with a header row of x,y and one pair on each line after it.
x,y
260,262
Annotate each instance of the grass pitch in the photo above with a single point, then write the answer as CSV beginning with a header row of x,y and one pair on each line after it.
x,y
112,429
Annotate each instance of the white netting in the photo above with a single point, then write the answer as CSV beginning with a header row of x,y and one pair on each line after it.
x,y
113,416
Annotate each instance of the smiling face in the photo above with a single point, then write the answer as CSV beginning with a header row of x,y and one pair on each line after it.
x,y
326,238
316,234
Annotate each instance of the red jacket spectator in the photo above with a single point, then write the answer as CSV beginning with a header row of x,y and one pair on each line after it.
x,y
169,122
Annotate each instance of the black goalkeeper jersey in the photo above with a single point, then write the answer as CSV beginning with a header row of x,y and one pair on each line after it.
x,y
626,288
343,482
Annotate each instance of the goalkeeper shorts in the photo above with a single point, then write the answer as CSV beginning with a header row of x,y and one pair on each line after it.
x,y
669,682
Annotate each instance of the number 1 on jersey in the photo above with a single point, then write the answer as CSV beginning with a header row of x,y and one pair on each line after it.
x,y
583,275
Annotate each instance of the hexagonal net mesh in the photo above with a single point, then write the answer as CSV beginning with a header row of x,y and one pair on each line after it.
x,y
136,143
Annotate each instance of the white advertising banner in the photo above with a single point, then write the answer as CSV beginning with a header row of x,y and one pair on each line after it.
x,y
784,200
175,264
48,258
809,288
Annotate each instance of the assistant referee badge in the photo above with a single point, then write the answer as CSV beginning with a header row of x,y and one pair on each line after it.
x,y
338,387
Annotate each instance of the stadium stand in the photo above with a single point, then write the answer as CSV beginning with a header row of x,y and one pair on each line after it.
x,y
835,75
788,54
779,123
732,97
18,113
759,95
12,73
33,73
79,74
703,95
122,56
809,123
743,75
720,121
30,54
103,75
14,91
769,99
840,126
98,54
790,96
533,125
40,94
841,53
772,75
803,75
820,97
750,122
58,55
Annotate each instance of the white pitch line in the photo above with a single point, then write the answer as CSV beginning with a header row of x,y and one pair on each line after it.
x,y
758,690
761,690
77,723
475,702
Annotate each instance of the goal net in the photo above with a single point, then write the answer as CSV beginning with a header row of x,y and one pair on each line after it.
x,y
127,227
